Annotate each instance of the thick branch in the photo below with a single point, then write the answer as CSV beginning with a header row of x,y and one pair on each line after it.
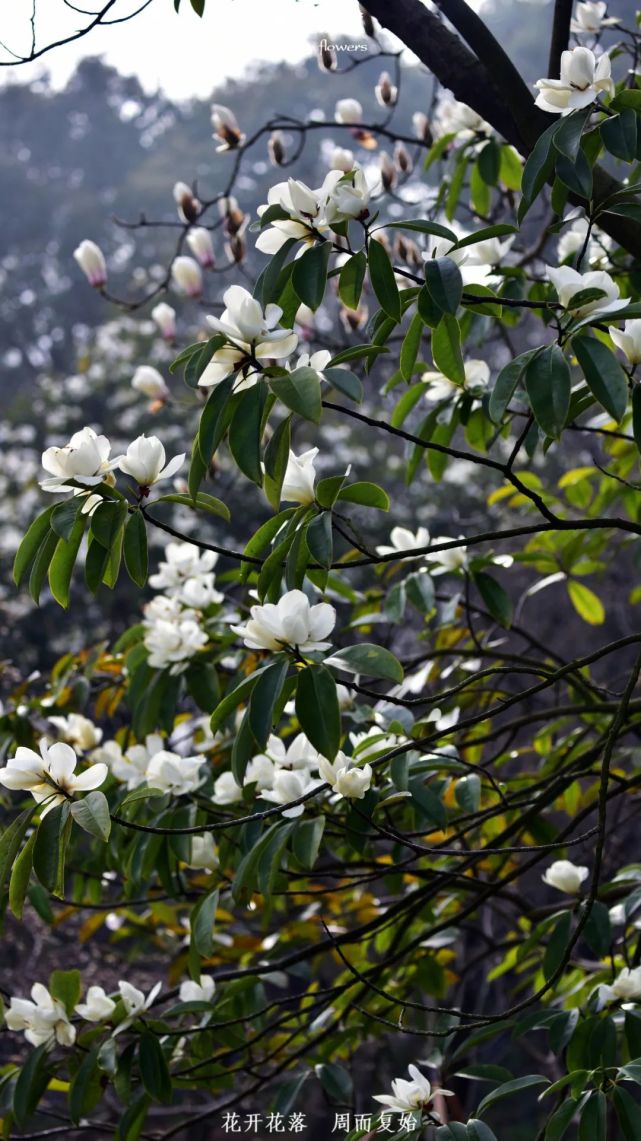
x,y
560,36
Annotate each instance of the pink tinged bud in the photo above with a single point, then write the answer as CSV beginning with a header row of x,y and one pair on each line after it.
x,y
149,382
187,276
403,159
226,127
165,318
91,260
200,244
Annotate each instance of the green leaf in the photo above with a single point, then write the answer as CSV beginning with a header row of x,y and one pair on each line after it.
x,y
30,545
319,539
586,603
548,385
276,460
200,502
50,848
444,283
86,1086
619,134
345,382
636,415
106,523
201,922
215,419
371,660
307,840
381,274
446,349
245,432
317,709
598,929
468,792
154,1070
605,378
237,695
64,515
200,358
489,162
452,1132
594,1117
529,1081
410,347
262,702
365,494
479,1131
301,392
537,169
41,562
32,1082
495,598
506,383
92,814
560,1121
309,275
351,278
135,549
567,137
628,1113
577,176
556,949
63,562
198,6
421,226
336,1082
11,840
20,877
66,987
500,230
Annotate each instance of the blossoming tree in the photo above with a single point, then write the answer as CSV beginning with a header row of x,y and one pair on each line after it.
x,y
345,784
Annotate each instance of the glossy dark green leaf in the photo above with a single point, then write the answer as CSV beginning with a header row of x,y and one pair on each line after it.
x,y
245,432
506,383
154,1070
135,549
92,814
263,700
319,539
548,385
31,543
301,392
370,660
444,283
351,278
446,349
381,274
594,1117
317,709
495,598
309,275
604,375
557,946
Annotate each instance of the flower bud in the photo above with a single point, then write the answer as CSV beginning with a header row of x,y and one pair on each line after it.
x,y
388,171
200,244
386,92
234,217
348,111
566,876
165,318
226,127
341,160
276,148
326,56
187,277
422,128
403,159
91,260
149,382
188,205
236,249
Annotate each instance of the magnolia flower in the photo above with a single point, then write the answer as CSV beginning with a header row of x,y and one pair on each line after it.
x,y
226,127
402,540
290,785
299,754
85,459
78,730
388,171
204,853
574,239
583,79
292,623
300,475
454,118
627,984
129,767
187,277
347,780
253,335
51,775
226,790
170,772
165,318
569,282
203,991
385,91
188,205
350,197
148,380
348,111
566,876
182,561
440,387
134,1002
307,221
91,260
372,743
97,1007
199,593
628,340
589,18
318,360
341,159
454,559
408,1096
144,461
173,641
43,1020
200,244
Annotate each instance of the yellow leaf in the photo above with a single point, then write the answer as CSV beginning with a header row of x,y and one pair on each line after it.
x,y
586,603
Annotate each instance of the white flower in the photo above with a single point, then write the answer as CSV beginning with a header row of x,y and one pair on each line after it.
x,y
134,1002
200,244
627,984
148,380
408,1096
199,592
300,476
187,276
204,853
226,790
129,767
173,641
440,387
350,197
144,461
197,992
402,539
97,1006
165,318
385,91
347,780
454,559
348,111
43,1020
589,18
372,743
291,622
252,333
566,876
91,260
583,79
172,773
573,241
85,459
289,785
226,127
341,159
454,118
628,340
78,730
421,125
318,360
51,775
568,282
182,561
307,221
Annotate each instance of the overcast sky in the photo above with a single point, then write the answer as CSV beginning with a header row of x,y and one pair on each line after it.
x,y
181,53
